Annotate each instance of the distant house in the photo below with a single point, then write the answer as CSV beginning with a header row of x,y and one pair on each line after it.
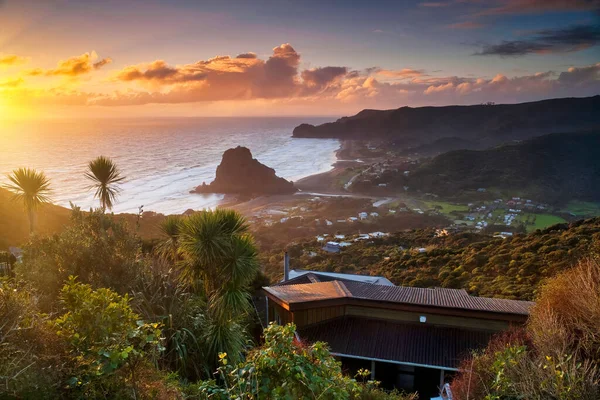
x,y
382,185
320,238
340,236
332,247
363,215
341,221
374,214
377,234
422,250
352,219
284,219
328,222
410,338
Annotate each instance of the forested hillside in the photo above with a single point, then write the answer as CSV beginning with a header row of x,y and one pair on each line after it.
x,y
553,168
483,265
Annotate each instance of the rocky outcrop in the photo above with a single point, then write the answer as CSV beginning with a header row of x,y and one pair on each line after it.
x,y
239,173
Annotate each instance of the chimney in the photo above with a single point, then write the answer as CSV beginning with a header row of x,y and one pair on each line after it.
x,y
286,267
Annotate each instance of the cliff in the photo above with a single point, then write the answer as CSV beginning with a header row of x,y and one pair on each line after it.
x,y
482,125
239,173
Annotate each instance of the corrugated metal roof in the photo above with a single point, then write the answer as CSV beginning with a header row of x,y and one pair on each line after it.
x,y
324,276
426,345
437,297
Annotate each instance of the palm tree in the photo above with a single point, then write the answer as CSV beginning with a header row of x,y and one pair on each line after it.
x,y
169,228
219,254
105,175
32,188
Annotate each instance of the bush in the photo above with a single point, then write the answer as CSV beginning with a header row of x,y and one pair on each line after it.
x,y
557,358
284,368
108,341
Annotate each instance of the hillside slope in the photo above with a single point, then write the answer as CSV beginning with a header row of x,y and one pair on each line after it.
x,y
482,125
483,265
14,224
552,168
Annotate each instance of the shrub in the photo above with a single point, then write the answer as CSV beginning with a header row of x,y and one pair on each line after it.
x,y
108,341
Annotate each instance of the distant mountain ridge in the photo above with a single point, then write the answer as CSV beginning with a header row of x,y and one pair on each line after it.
x,y
482,125
553,168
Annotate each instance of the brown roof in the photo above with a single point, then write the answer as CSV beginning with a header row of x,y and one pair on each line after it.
x,y
426,345
437,297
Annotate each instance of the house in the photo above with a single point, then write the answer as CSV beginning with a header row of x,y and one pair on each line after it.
x,y
340,236
284,219
328,222
374,214
363,215
332,247
422,250
352,219
409,338
382,185
377,234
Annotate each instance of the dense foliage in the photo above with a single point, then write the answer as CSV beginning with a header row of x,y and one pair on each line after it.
x,y
483,265
284,368
558,354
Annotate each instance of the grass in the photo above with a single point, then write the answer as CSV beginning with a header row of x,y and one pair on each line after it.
x,y
446,208
583,208
545,220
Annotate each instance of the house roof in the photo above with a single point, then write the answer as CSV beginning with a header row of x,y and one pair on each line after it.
x,y
425,345
294,294
328,276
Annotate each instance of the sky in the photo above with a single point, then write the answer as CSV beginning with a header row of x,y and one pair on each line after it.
x,y
130,58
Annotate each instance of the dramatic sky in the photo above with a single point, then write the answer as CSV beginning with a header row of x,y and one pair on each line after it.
x,y
240,57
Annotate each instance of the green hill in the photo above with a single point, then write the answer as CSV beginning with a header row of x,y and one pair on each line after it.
x,y
553,168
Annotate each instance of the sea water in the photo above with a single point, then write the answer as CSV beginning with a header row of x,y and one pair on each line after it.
x,y
162,159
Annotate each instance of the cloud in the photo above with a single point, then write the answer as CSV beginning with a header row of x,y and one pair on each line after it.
x,y
404,73
73,66
11,83
102,63
570,39
541,6
321,77
580,76
466,25
8,60
278,79
246,55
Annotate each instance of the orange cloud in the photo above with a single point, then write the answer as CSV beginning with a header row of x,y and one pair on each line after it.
x,y
73,66
402,73
11,59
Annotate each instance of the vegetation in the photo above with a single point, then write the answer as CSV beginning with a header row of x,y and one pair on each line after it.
x,y
32,188
482,264
556,357
553,169
105,177
284,368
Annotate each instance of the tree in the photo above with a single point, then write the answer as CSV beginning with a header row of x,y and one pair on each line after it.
x,y
32,188
219,254
105,175
168,248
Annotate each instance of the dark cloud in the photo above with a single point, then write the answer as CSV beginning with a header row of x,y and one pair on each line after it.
x,y
102,63
579,76
466,25
575,38
541,6
321,77
250,55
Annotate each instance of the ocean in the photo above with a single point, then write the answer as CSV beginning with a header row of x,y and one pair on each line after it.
x,y
162,159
